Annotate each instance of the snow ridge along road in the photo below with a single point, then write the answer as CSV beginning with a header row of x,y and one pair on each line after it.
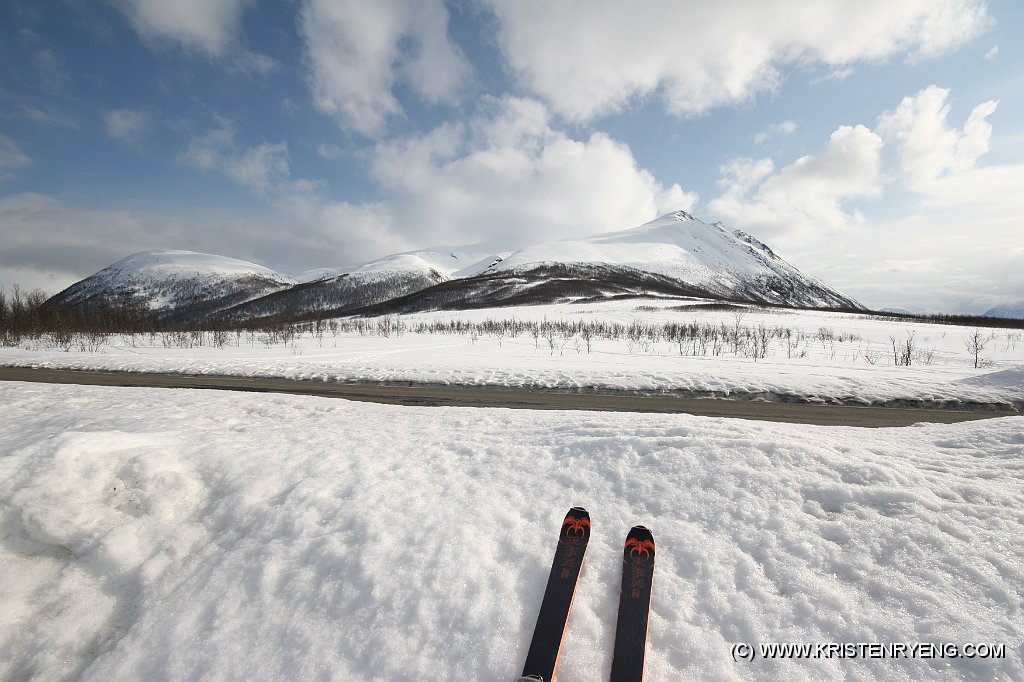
x,y
435,395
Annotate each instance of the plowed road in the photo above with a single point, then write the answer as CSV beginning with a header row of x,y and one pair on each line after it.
x,y
433,395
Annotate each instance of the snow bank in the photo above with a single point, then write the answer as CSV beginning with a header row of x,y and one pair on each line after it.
x,y
170,534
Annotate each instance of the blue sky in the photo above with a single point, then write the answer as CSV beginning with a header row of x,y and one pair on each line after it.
x,y
878,145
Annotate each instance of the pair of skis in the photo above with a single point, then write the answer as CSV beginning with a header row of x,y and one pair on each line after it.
x,y
634,601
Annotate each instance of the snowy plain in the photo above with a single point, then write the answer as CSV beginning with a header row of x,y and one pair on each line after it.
x,y
189,534
830,357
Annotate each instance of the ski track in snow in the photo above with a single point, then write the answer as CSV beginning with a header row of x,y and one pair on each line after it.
x,y
153,534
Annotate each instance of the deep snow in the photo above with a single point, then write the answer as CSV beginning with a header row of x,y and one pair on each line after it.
x,y
184,534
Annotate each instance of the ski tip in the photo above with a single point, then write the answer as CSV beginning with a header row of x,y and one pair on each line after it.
x,y
578,513
576,526
639,543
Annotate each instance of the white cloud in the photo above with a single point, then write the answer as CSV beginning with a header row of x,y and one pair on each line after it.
x,y
358,51
75,243
301,232
11,157
507,173
303,229
954,248
49,118
915,265
247,62
335,233
808,196
587,58
990,189
128,125
50,70
263,168
331,152
784,128
204,25
927,146
958,252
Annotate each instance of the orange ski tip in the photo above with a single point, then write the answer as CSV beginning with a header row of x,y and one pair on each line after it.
x,y
576,526
640,548
640,543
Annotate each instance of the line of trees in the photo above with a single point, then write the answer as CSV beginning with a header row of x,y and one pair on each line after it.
x,y
21,315
29,316
695,338
979,321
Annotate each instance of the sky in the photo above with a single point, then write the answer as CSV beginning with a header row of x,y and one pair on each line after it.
x,y
878,145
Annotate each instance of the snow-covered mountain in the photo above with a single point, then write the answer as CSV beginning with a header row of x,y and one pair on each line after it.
x,y
675,255
328,291
183,286
724,262
1011,310
446,262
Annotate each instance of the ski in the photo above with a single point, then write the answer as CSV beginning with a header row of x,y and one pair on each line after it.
x,y
542,658
634,606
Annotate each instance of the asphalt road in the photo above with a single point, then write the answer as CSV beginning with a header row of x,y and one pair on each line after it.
x,y
433,395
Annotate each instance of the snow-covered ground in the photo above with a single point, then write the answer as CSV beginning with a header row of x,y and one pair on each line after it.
x,y
828,357
185,534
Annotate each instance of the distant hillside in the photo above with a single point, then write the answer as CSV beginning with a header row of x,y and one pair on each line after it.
x,y
673,256
174,287
1009,310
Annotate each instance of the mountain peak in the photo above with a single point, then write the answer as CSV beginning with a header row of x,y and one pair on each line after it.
x,y
169,280
172,261
722,261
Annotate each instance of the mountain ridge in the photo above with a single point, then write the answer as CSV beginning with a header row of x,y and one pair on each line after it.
x,y
675,255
